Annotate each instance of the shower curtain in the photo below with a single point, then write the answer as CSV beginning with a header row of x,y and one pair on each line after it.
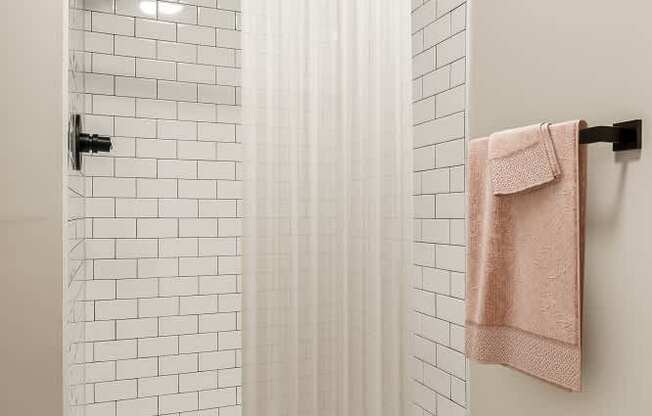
x,y
326,248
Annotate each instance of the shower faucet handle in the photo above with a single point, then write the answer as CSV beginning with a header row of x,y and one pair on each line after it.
x,y
79,142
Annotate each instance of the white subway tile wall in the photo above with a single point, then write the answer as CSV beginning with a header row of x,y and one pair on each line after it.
x,y
76,331
163,230
438,365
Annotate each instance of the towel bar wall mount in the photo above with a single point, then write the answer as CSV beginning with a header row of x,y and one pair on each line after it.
x,y
626,135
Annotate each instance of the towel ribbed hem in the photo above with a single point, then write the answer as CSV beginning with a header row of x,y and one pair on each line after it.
x,y
550,360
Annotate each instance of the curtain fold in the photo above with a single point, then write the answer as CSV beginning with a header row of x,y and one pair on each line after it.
x,y
326,249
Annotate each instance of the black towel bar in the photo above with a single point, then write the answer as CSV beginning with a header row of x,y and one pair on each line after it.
x,y
626,135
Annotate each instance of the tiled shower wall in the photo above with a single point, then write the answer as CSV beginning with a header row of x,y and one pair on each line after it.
x,y
438,365
163,289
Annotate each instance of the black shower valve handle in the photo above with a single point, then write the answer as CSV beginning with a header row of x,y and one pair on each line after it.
x,y
79,142
93,143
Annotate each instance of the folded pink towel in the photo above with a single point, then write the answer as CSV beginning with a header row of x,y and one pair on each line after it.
x,y
525,256
522,158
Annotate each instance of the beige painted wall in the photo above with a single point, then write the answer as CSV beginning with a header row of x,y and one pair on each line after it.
x,y
556,60
31,216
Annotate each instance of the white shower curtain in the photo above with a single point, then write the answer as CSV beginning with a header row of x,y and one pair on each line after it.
x,y
326,126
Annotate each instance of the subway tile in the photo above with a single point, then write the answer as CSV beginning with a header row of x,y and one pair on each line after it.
x,y
115,390
153,29
158,307
160,149
177,91
97,166
423,15
178,325
195,112
177,208
136,328
132,8
196,150
135,127
437,31
451,101
115,309
215,56
450,205
114,350
136,288
214,360
163,267
230,265
217,94
196,266
113,106
178,52
203,380
435,181
451,361
156,108
156,188
451,49
114,228
439,130
199,35
98,42
179,286
150,68
154,386
174,129
216,18
152,347
197,227
218,284
178,402
217,322
157,227
176,364
136,248
228,38
113,65
423,63
135,87
130,46
229,377
99,331
197,343
235,5
219,132
184,169
98,83
436,81
197,189
137,407
136,368
196,73
110,23
175,12
451,258
177,247
132,208
135,168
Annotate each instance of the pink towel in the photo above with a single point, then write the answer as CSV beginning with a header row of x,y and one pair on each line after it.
x,y
525,256
522,159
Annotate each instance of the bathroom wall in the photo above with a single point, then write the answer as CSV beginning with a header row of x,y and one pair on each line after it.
x,y
74,314
555,61
163,288
438,365
33,117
